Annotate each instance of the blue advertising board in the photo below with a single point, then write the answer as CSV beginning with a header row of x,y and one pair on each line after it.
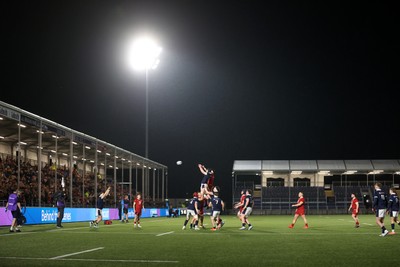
x,y
47,215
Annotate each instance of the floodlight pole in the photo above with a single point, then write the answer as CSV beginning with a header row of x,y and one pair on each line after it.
x,y
147,115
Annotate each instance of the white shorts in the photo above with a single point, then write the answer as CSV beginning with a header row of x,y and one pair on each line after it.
x,y
381,213
203,186
216,213
394,214
191,213
248,212
99,212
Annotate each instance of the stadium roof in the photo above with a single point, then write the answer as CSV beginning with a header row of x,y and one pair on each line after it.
x,y
12,117
333,166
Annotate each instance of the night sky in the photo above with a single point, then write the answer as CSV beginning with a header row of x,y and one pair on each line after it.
x,y
247,80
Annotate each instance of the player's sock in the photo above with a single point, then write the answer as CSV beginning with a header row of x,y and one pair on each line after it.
x,y
243,224
392,227
191,225
383,229
306,225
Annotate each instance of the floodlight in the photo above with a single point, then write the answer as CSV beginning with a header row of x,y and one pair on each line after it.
x,y
143,54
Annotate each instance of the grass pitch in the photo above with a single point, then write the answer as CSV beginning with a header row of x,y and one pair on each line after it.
x,y
330,241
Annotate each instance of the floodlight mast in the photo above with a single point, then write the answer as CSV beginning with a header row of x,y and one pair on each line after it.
x,y
144,56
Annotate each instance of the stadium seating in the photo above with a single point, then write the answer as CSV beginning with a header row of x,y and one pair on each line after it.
x,y
278,199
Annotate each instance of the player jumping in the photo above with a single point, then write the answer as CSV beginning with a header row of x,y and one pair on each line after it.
x,y
208,178
99,209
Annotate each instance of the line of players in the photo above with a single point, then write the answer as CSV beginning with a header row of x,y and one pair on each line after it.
x,y
138,206
382,205
207,197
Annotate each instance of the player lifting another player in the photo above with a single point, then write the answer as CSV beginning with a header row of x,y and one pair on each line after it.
x,y
192,211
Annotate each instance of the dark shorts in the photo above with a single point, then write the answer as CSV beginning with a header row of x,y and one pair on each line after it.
x,y
15,213
125,210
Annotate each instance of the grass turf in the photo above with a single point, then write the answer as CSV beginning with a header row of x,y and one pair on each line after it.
x,y
330,241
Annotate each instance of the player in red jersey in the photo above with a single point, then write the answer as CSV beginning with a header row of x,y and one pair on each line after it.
x,y
300,211
202,201
355,207
210,182
240,204
138,205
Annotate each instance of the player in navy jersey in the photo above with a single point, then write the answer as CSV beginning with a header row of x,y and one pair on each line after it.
x,y
60,198
99,209
247,210
380,205
208,176
393,209
125,208
218,206
192,211
14,205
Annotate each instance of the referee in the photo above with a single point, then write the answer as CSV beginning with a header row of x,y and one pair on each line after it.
x,y
14,206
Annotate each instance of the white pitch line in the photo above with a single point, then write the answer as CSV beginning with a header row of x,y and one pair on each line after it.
x,y
22,233
91,260
76,253
167,233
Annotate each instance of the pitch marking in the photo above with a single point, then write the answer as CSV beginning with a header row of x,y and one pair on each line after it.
x,y
167,233
91,260
76,253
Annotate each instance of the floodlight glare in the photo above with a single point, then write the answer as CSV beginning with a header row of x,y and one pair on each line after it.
x,y
143,54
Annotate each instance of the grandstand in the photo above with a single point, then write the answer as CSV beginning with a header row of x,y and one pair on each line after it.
x,y
326,184
35,153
